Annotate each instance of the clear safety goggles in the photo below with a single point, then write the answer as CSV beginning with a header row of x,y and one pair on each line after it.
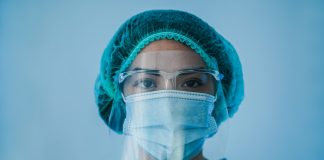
x,y
146,80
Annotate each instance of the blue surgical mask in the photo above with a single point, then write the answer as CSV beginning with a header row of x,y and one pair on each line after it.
x,y
170,124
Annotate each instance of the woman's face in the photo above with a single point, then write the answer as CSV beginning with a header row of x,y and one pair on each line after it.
x,y
151,58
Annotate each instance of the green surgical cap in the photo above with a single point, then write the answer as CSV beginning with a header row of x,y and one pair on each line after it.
x,y
148,26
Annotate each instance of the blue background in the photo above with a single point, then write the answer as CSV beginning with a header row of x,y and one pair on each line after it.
x,y
49,59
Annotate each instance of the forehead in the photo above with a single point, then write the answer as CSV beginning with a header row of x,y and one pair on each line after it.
x,y
167,55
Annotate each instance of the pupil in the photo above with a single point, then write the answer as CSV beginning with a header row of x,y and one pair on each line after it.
x,y
147,83
191,83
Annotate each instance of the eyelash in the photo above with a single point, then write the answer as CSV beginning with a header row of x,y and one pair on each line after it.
x,y
137,82
195,80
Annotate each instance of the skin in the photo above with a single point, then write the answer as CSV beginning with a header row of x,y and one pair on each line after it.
x,y
174,61
169,62
155,56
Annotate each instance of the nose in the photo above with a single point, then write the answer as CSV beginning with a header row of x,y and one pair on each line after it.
x,y
169,84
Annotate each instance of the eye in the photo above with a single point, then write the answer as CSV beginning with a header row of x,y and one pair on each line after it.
x,y
193,83
145,83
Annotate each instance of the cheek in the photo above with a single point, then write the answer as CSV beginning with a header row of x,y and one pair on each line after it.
x,y
211,85
126,88
210,88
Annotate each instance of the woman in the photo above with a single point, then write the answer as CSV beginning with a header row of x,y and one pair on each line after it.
x,y
167,82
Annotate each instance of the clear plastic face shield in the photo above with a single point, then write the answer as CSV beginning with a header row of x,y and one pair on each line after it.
x,y
170,99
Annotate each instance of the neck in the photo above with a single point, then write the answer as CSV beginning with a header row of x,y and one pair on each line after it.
x,y
148,157
199,157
